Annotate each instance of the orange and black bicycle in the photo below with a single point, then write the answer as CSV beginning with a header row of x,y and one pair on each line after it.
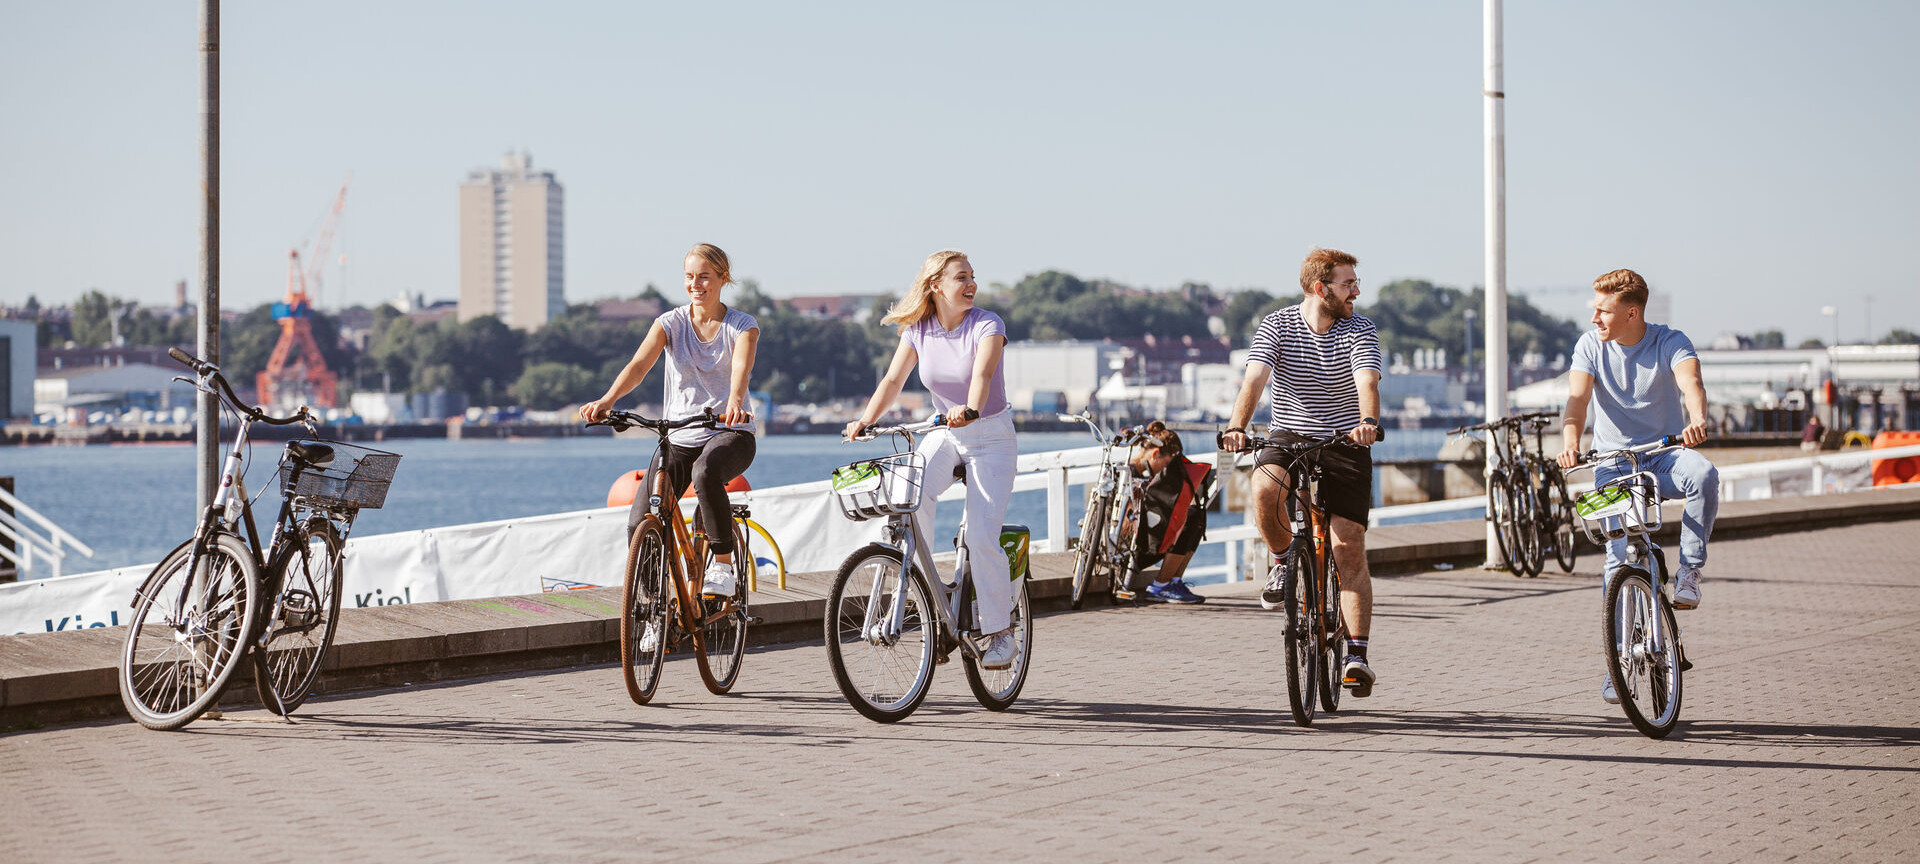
x,y
661,606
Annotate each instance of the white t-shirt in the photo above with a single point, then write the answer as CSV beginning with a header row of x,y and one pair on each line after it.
x,y
699,373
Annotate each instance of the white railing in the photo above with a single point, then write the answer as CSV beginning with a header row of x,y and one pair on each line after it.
x,y
32,546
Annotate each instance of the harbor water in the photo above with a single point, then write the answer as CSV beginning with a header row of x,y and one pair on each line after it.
x,y
133,502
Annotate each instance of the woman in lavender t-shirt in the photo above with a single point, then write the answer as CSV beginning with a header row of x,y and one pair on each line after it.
x,y
958,350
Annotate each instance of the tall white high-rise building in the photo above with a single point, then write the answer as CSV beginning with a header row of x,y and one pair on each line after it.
x,y
511,244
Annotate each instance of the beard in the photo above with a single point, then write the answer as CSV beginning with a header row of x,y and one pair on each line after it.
x,y
1341,310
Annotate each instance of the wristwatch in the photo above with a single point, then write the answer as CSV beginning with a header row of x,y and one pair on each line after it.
x,y
968,414
1369,421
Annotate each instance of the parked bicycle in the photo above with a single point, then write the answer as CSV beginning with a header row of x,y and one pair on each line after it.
x,y
223,595
1111,523
1527,499
661,604
1639,636
888,621
1316,635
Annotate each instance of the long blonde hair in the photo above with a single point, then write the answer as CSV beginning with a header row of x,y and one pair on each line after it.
x,y
917,306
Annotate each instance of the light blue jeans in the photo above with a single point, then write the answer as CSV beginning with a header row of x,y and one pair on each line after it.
x,y
1682,473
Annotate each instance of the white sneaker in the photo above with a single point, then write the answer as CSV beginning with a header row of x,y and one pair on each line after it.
x,y
1001,651
1274,596
1606,692
1686,590
650,640
719,579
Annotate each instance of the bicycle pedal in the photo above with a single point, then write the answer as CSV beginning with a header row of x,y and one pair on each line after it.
x,y
755,619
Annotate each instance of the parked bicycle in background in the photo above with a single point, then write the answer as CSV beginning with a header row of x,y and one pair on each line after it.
x,y
1527,499
224,594
1110,525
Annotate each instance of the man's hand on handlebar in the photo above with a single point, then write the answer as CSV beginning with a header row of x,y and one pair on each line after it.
x,y
1695,433
1364,434
1233,440
1569,458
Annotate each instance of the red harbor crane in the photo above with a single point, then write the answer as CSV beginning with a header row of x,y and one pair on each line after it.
x,y
297,374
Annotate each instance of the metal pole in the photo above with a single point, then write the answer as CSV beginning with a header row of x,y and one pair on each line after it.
x,y
207,424
1493,94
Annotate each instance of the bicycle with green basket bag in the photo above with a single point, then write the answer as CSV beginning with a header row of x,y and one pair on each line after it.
x,y
890,617
1639,636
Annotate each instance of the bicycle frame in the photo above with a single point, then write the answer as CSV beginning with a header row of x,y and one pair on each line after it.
x,y
1113,548
950,601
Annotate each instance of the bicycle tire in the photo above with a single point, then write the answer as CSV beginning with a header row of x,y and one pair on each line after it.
x,y
1641,642
879,695
645,600
1527,528
170,673
996,689
1125,531
1500,513
1302,655
286,662
1086,560
1333,653
1566,551
723,624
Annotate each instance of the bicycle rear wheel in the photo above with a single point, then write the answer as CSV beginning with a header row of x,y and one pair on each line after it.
x,y
1333,654
997,688
1531,552
189,629
301,618
1303,655
645,606
883,673
1093,530
724,624
1642,645
1123,531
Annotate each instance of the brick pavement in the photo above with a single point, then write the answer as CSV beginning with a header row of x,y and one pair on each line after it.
x,y
1142,734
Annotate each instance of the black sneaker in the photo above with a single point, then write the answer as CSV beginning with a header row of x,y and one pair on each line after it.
x,y
1357,677
1274,595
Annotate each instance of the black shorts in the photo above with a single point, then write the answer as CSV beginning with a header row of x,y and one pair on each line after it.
x,y
1346,475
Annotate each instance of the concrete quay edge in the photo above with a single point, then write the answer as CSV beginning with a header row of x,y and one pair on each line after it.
x,y
72,675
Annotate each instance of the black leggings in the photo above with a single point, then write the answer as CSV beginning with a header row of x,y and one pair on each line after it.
x,y
708,467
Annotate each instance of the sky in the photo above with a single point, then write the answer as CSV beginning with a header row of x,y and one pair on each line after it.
x,y
1755,160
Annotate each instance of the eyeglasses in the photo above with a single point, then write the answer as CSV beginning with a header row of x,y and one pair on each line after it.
x,y
1350,283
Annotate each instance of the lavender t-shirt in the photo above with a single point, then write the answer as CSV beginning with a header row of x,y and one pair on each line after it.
x,y
946,359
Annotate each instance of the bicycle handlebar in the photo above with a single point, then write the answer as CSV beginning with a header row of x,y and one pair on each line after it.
x,y
1592,457
909,429
1311,442
221,389
621,421
1512,420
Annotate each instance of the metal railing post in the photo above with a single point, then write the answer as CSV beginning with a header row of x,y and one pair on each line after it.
x,y
1057,509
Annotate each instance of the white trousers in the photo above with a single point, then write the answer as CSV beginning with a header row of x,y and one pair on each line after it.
x,y
986,446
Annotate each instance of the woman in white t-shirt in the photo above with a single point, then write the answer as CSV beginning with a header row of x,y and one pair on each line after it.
x,y
957,348
709,349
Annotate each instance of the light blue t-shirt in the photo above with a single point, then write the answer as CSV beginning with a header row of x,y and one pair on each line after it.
x,y
1635,395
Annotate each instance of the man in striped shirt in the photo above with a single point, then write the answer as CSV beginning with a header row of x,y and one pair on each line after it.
x,y
1320,363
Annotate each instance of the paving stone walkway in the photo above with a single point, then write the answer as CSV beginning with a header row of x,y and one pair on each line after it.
x,y
1143,734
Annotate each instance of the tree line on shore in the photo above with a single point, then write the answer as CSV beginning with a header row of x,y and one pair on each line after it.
x,y
802,358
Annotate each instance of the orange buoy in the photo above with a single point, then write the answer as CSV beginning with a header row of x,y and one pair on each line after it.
x,y
621,493
1889,472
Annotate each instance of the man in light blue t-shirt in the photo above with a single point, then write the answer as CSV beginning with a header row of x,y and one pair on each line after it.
x,y
1644,381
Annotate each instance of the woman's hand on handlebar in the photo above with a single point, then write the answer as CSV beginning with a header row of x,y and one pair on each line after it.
x,y
596,410
735,415
853,430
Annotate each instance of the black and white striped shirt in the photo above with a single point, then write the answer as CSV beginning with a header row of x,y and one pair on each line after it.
x,y
1312,390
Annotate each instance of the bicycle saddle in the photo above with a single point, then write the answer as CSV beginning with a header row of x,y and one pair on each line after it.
x,y
313,454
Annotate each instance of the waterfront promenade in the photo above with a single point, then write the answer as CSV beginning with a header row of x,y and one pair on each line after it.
x,y
1143,734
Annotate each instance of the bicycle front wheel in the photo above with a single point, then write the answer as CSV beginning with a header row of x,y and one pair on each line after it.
x,y
190,623
645,604
1500,513
997,688
301,617
723,624
1530,554
1333,653
883,667
1123,530
1642,645
1559,509
1302,654
1093,529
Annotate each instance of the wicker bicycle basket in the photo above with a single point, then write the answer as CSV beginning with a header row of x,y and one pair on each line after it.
x,y
356,480
1621,507
878,488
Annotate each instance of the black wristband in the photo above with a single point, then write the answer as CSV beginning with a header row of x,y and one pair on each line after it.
x,y
1369,421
